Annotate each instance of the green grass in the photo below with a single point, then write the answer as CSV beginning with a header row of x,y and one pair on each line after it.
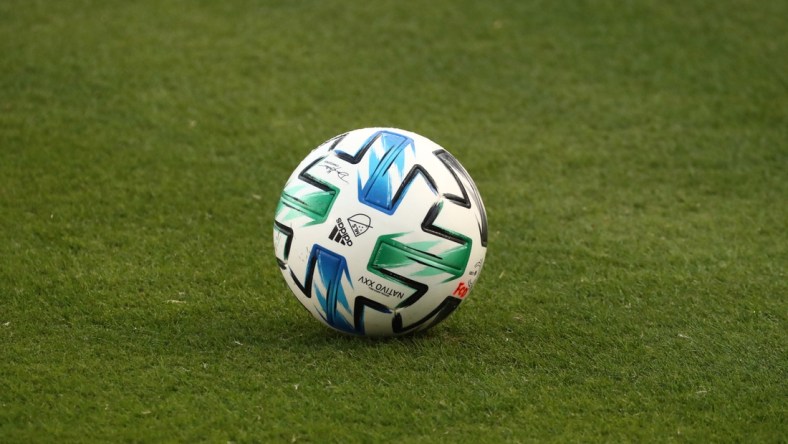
x,y
633,158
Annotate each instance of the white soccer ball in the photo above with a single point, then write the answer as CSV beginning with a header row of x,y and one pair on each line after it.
x,y
381,232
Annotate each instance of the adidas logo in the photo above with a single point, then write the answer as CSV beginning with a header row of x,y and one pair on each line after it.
x,y
339,234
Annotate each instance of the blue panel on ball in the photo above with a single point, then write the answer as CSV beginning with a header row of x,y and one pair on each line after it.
x,y
331,269
386,172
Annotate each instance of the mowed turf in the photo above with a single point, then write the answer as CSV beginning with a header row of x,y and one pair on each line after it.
x,y
633,158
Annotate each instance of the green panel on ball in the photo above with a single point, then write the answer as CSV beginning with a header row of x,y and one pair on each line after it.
x,y
390,253
314,205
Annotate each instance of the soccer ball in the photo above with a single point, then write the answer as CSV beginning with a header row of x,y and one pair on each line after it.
x,y
380,232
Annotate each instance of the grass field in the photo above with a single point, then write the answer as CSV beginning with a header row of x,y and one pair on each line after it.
x,y
633,158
